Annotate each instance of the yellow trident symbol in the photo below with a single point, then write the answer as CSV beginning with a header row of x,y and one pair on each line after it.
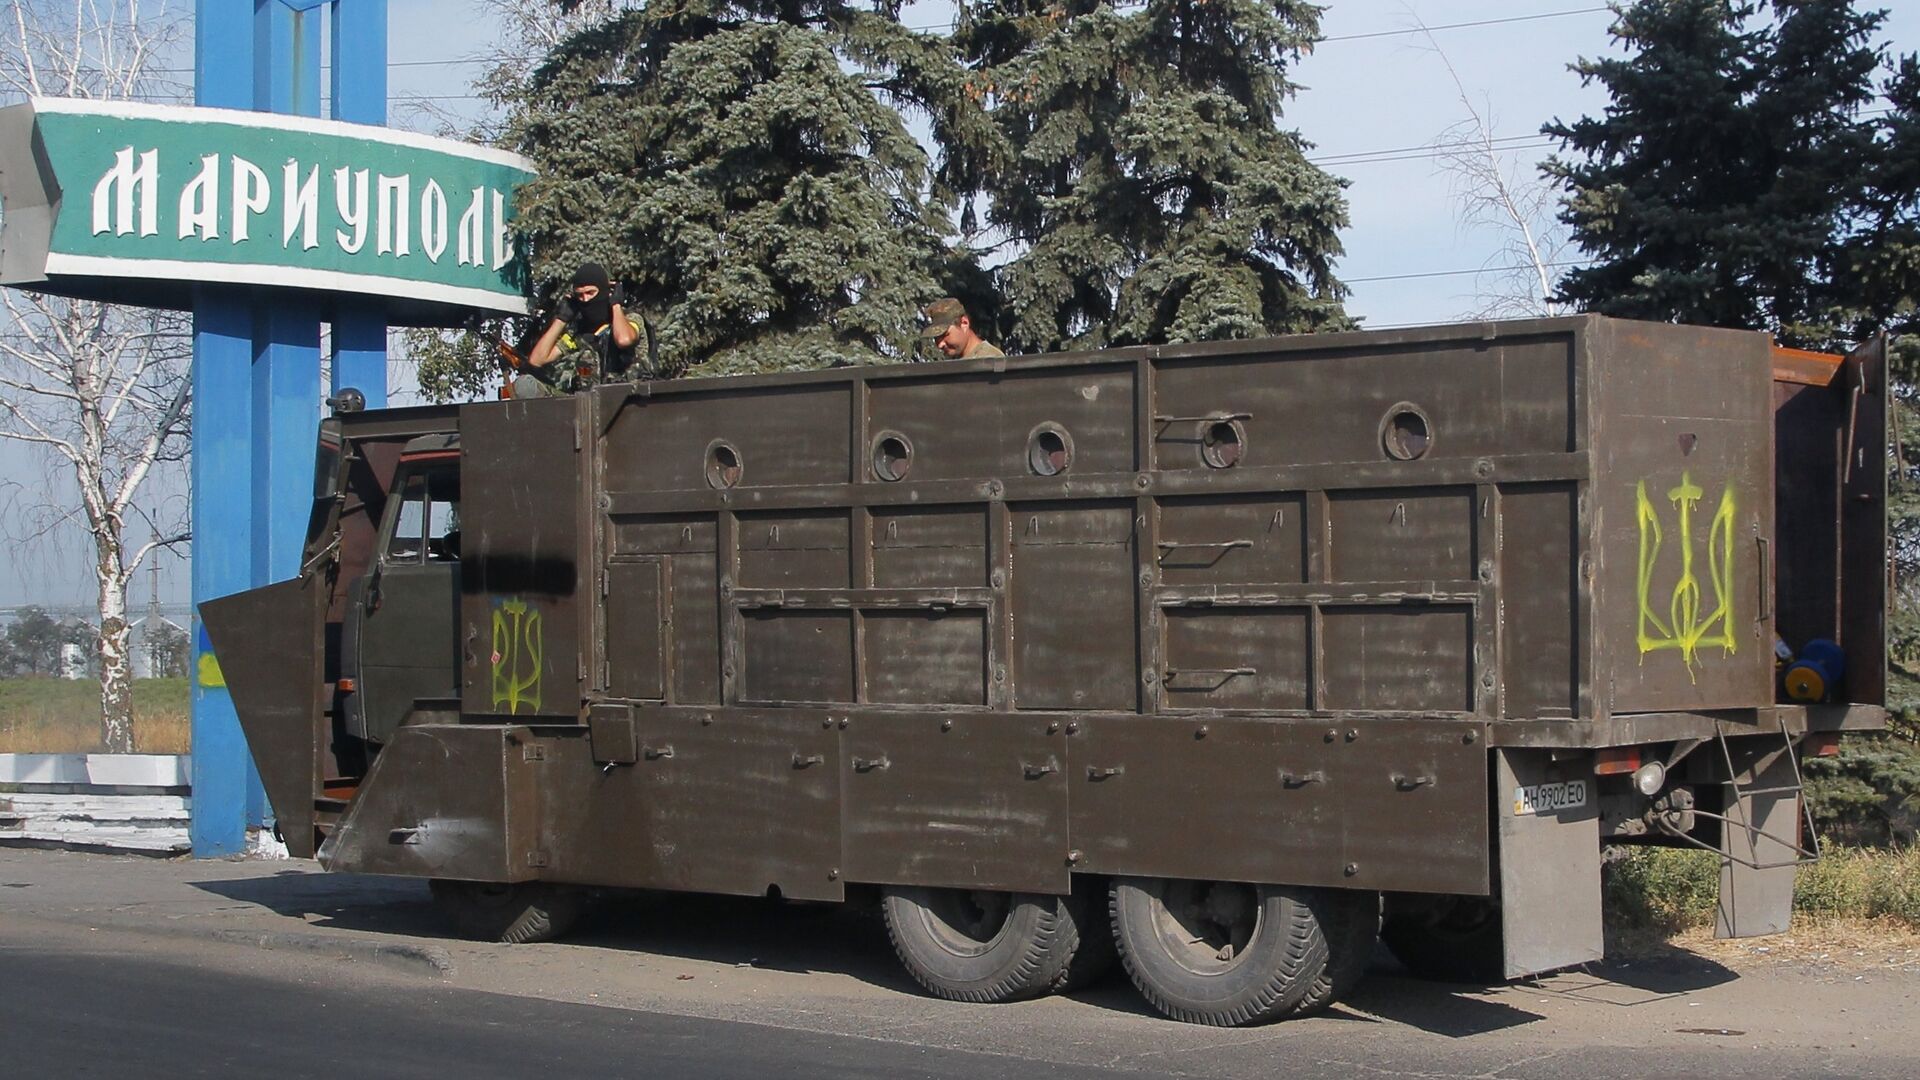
x,y
518,641
1685,628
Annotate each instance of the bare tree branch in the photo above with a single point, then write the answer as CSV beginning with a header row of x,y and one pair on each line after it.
x,y
106,389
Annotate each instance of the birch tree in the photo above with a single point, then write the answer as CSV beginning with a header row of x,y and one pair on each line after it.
x,y
103,389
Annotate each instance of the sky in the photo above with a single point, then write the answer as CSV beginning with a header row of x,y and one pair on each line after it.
x,y
1375,96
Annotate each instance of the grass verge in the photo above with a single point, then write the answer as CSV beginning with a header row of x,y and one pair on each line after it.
x,y
62,716
1673,891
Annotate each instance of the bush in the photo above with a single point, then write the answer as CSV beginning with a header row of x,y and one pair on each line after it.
x,y
1675,889
1664,889
1870,793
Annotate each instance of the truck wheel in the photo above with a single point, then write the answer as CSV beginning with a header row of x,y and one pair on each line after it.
x,y
982,946
1352,932
1446,938
517,914
1220,952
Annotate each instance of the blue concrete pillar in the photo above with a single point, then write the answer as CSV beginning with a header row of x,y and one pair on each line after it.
x,y
221,466
256,369
360,97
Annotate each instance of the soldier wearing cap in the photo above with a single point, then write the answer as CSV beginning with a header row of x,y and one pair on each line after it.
x,y
949,328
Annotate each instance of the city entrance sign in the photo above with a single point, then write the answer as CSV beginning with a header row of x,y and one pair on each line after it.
x,y
139,203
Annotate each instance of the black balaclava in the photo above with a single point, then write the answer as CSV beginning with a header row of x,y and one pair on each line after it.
x,y
597,312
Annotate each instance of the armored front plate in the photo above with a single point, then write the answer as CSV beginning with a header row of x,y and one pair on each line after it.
x,y
445,801
266,648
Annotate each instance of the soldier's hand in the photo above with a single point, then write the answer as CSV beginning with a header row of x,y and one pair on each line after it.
x,y
617,294
563,309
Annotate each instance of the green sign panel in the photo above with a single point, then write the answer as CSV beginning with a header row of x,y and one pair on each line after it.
x,y
140,202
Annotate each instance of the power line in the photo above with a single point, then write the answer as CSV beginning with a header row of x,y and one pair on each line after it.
x,y
1461,273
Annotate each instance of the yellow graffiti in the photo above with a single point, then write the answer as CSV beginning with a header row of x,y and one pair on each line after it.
x,y
518,642
1684,627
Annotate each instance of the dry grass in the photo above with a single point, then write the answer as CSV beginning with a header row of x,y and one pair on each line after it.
x,y
1856,907
60,716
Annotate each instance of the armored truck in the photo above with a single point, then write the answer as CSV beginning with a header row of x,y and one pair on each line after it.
x,y
1221,659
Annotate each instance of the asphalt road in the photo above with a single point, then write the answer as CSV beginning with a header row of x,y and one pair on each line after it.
x,y
136,967
93,1004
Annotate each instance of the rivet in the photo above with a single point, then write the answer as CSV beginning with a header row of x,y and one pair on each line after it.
x,y
1200,732
1073,857
1470,737
1352,734
833,874
1352,868
1143,481
1053,726
1146,580
706,721
946,725
1072,727
1331,735
843,723
827,723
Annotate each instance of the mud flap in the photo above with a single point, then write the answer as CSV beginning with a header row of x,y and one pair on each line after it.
x,y
1547,827
445,801
267,643
1757,867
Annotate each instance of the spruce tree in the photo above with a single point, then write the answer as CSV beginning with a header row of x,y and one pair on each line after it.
x,y
1152,195
1719,185
743,166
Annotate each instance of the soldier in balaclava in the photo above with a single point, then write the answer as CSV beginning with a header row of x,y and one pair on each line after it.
x,y
590,340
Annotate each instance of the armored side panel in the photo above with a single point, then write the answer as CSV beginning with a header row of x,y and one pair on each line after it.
x,y
522,583
270,648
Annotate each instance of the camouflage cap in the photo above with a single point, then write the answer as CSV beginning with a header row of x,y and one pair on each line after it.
x,y
941,315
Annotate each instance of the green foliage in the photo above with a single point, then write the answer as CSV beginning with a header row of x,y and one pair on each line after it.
x,y
1664,889
33,642
1869,793
1675,889
172,652
743,167
1151,194
1735,178
1856,883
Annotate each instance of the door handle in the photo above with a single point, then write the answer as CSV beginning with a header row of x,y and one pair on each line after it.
x,y
1765,547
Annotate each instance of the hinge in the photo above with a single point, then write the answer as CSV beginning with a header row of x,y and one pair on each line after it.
x,y
603,582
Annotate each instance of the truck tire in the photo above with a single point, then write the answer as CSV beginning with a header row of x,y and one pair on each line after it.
x,y
515,914
1446,938
989,947
1222,953
1352,934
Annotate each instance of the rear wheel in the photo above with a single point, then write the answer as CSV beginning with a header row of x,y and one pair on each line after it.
x,y
1223,953
1353,929
516,913
1446,938
984,946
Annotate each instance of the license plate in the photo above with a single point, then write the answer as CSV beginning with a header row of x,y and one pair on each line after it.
x,y
1549,798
